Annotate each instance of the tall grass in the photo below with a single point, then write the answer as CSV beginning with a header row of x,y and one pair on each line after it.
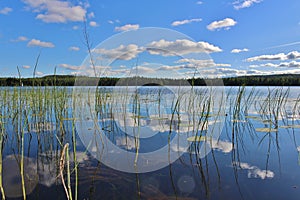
x,y
2,134
30,110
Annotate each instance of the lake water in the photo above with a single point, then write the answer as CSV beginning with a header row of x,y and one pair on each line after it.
x,y
151,142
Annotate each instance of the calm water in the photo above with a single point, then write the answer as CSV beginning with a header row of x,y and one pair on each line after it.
x,y
255,155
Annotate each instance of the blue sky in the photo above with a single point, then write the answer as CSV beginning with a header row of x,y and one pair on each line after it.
x,y
241,37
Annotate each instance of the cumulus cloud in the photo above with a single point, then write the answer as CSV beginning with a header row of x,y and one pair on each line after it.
x,y
91,15
93,24
70,67
217,72
222,24
127,27
253,66
121,53
5,11
75,27
292,64
180,47
56,11
281,56
239,50
113,21
202,63
20,39
38,73
89,70
35,42
266,65
230,71
142,70
26,66
186,21
255,72
199,2
73,48
168,67
255,172
245,4
293,55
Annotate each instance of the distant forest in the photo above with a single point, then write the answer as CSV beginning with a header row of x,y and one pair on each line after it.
x,y
67,80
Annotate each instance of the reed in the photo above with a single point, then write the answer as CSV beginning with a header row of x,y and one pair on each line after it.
x,y
2,133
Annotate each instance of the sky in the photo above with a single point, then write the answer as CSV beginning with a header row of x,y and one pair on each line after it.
x,y
220,38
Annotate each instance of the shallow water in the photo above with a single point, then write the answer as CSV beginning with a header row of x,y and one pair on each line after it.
x,y
243,162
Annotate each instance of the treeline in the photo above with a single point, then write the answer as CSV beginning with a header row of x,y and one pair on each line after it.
x,y
261,80
68,80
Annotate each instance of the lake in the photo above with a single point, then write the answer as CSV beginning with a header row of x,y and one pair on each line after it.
x,y
150,142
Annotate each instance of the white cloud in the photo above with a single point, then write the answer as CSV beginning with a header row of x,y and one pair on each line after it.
x,y
56,11
186,21
127,27
239,50
35,42
227,71
168,67
75,27
91,15
121,53
293,55
245,4
73,48
255,172
220,72
20,39
142,70
255,72
202,63
294,69
26,66
93,24
224,146
292,64
38,73
253,66
199,2
90,70
5,11
281,56
113,21
232,72
225,24
267,65
178,148
70,67
180,47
